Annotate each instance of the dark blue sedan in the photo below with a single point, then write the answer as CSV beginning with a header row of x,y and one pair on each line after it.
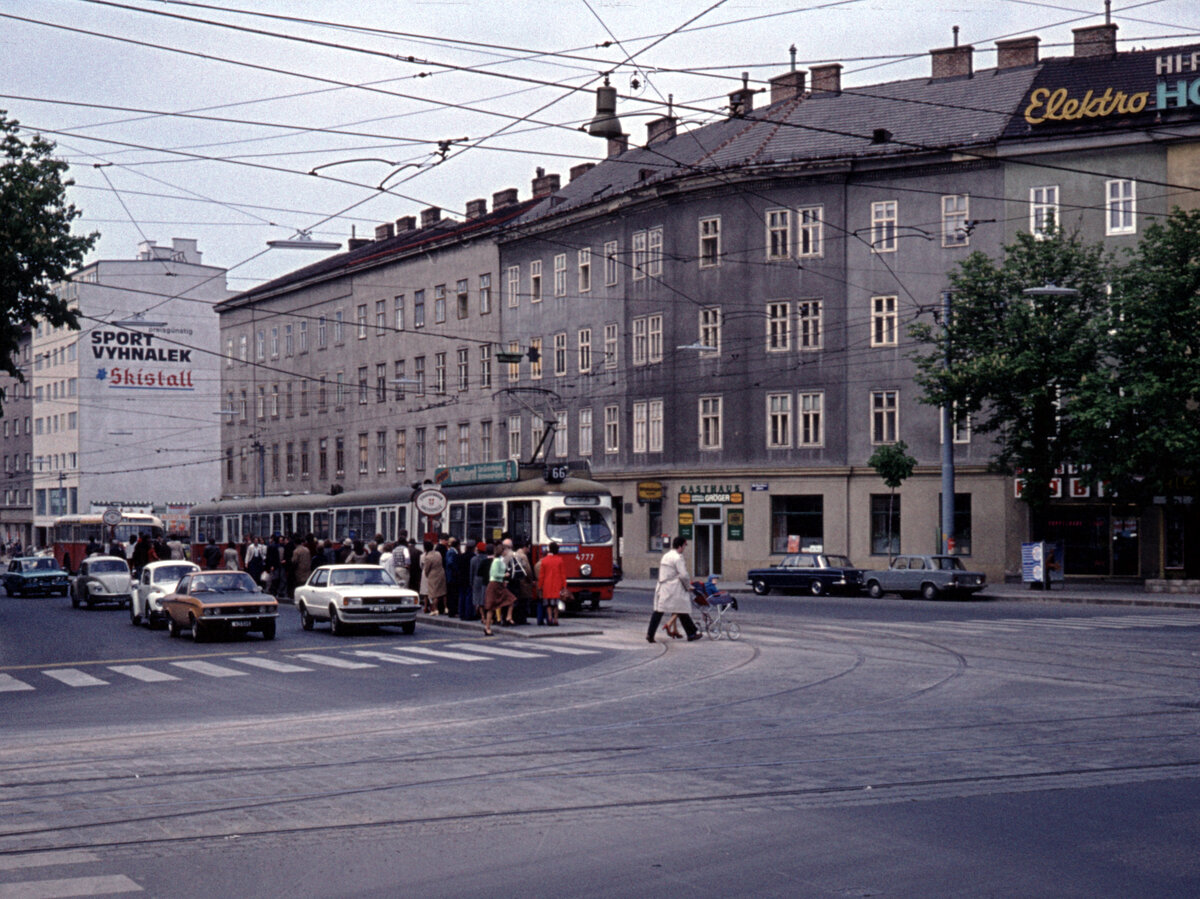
x,y
815,573
36,576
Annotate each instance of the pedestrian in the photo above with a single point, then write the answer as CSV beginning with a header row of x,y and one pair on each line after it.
x,y
232,562
401,559
274,564
481,562
552,584
302,561
522,583
462,577
498,597
433,580
256,559
176,546
673,593
414,565
450,557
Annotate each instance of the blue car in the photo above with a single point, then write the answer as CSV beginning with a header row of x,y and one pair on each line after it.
x,y
36,576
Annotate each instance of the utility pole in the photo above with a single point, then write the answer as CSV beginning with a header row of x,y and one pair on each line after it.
x,y
260,448
947,541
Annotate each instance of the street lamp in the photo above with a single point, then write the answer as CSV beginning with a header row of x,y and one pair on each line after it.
x,y
303,240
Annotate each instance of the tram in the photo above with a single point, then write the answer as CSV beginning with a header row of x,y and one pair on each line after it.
x,y
478,503
72,534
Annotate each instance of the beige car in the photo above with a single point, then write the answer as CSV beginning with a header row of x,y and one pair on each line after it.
x,y
211,603
102,579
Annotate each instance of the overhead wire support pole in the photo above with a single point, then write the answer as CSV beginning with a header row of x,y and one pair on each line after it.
x,y
947,535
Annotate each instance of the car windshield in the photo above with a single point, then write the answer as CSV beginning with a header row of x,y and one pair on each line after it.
x,y
948,563
107,566
838,562
577,526
234,582
170,573
39,565
358,577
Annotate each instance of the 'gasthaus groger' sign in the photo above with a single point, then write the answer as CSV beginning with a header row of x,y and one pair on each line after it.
x,y
139,360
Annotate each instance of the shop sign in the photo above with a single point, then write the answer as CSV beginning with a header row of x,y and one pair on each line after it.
x,y
649,491
735,519
116,346
710,493
687,518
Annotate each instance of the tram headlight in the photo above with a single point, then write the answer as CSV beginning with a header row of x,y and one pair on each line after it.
x,y
585,569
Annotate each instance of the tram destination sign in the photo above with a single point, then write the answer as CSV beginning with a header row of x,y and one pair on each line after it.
x,y
477,473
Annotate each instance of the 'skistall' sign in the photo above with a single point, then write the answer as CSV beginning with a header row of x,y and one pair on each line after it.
x,y
137,360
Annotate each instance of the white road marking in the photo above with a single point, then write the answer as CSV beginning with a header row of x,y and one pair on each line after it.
x,y
497,651
103,885
332,661
142,673
446,654
73,677
209,669
545,645
269,664
386,657
47,859
9,684
605,642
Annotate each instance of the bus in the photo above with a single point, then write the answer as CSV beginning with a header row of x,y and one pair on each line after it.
x,y
71,534
532,503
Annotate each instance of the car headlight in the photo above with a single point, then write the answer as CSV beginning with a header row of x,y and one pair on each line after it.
x,y
155,596
352,600
585,569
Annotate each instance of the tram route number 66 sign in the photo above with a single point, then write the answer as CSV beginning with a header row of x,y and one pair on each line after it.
x,y
430,501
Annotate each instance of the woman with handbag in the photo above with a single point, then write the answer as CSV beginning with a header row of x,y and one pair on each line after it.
x,y
552,584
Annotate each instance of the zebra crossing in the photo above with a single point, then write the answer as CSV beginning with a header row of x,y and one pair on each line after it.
x,y
1045,624
292,663
23,876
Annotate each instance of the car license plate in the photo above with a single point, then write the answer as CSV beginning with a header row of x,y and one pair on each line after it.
x,y
239,624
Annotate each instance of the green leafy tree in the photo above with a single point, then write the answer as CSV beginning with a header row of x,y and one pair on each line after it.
x,y
1142,417
1018,361
37,247
894,465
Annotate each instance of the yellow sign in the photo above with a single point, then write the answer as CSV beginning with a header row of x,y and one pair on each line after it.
x,y
687,518
1058,105
648,491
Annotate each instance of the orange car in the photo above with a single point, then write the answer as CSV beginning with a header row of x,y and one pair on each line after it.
x,y
208,602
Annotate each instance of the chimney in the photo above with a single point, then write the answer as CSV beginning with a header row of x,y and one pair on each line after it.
x,y
1017,52
741,101
952,62
183,249
504,198
355,242
659,130
406,223
618,145
476,209
578,171
827,79
1096,40
787,86
543,184
384,231
430,216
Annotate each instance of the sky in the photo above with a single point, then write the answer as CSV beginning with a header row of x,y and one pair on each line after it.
x,y
236,122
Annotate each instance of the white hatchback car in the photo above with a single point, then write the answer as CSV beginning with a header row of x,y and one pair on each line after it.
x,y
355,594
158,579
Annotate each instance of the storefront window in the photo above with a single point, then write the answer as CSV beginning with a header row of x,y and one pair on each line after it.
x,y
797,524
885,524
654,525
962,522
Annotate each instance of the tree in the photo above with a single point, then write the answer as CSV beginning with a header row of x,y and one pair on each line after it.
x,y
1142,419
37,247
892,463
1018,360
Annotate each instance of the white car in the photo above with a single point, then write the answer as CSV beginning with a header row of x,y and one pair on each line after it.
x,y
158,579
355,594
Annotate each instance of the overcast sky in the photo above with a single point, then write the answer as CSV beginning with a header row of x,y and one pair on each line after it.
x,y
366,90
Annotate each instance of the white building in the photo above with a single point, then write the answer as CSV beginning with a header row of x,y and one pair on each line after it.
x,y
125,410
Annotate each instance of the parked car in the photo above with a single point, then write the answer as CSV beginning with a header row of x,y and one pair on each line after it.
x,y
35,576
157,581
102,579
355,594
211,602
818,573
927,576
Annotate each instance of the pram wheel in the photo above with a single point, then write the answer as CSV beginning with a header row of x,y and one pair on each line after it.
x,y
732,629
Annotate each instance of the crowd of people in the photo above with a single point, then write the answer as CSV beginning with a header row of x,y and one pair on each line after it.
x,y
494,582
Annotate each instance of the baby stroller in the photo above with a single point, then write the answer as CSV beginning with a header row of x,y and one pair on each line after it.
x,y
714,609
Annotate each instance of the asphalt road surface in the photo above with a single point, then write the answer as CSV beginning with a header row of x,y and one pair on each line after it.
x,y
841,747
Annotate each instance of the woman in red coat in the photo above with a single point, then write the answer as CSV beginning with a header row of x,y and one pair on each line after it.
x,y
552,581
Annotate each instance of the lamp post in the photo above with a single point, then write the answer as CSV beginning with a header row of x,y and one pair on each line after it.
x,y
948,536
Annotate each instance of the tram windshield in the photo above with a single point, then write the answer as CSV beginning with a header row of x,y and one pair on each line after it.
x,y
577,526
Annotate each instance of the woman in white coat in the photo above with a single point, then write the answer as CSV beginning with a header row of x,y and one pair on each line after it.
x,y
673,593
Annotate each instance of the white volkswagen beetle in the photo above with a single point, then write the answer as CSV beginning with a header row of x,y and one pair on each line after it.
x,y
355,594
158,579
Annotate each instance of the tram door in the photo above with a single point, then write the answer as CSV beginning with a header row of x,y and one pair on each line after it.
x,y
520,521
708,546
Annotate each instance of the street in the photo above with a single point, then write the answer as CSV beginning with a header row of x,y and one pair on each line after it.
x,y
841,747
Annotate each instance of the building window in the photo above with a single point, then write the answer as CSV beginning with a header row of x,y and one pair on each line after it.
x,y
535,358
464,368
779,233
654,335
638,251
339,333
304,397
398,312
962,523
955,209
274,461
380,317
779,420
640,341
485,367
779,337
322,333
797,524
610,346
419,374
710,242
809,329
710,422
275,342
229,352
418,308
361,321
610,263
612,429
514,368
439,373
885,524
560,275
883,226
485,293
419,450
585,269
260,346
1120,207
710,330
655,437
884,323
654,252
514,285
535,281
537,429
485,441
260,404
462,298
322,397
561,433
380,382
304,472
303,337
962,425
812,431
585,350
242,341
290,461
514,437
439,303
401,450
641,426
560,354
362,385
398,380
1043,210
322,458
362,453
884,416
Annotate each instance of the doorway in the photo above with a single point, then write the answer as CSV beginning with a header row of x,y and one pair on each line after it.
x,y
708,541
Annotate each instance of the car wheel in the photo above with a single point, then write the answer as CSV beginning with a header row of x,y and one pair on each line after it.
x,y
817,587
198,634
336,626
135,617
930,591
874,590
760,587
87,598
306,620
596,604
173,627
268,630
74,599
408,627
